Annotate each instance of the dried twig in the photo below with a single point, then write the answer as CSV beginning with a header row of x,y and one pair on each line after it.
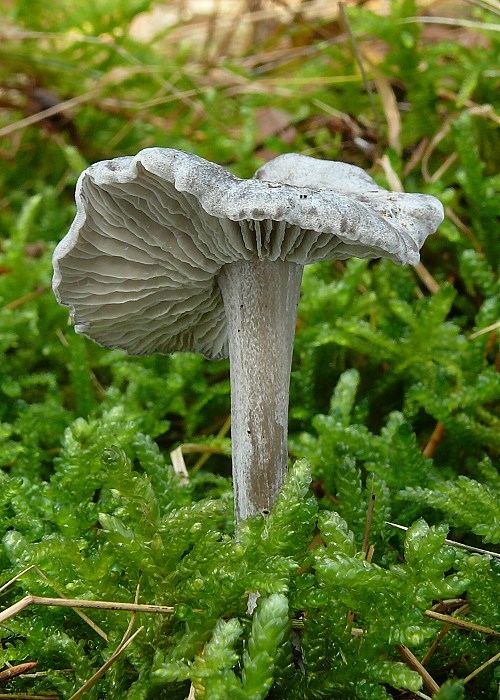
x,y
478,670
359,61
50,112
415,664
482,331
452,543
28,696
466,230
458,622
119,650
42,575
27,297
444,630
452,22
18,670
222,433
127,639
79,603
179,465
434,440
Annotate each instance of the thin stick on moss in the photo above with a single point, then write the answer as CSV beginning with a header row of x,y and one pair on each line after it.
x,y
12,671
63,106
179,465
359,61
482,331
440,617
44,577
444,630
92,681
221,434
478,670
27,696
78,603
27,297
395,184
126,640
434,440
415,664
452,543
458,622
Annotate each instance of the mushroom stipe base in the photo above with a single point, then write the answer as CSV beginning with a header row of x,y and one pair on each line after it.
x,y
260,300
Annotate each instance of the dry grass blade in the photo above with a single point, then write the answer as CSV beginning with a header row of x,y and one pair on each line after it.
x,y
464,229
77,603
13,671
416,157
431,146
50,112
390,107
86,39
452,22
24,299
126,640
359,61
179,465
457,622
482,331
263,63
434,440
397,186
452,543
310,80
92,681
42,575
493,7
426,277
391,175
222,433
224,45
445,629
415,664
28,696
478,670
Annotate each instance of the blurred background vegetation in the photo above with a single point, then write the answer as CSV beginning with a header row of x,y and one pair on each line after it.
x,y
395,379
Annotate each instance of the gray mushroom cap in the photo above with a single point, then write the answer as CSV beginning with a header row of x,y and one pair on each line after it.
x,y
138,268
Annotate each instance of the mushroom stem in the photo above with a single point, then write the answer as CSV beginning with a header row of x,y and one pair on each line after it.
x,y
260,299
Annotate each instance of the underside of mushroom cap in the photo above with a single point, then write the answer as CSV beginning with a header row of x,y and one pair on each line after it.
x,y
139,266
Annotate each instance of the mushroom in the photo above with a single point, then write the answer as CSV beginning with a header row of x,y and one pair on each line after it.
x,y
169,252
